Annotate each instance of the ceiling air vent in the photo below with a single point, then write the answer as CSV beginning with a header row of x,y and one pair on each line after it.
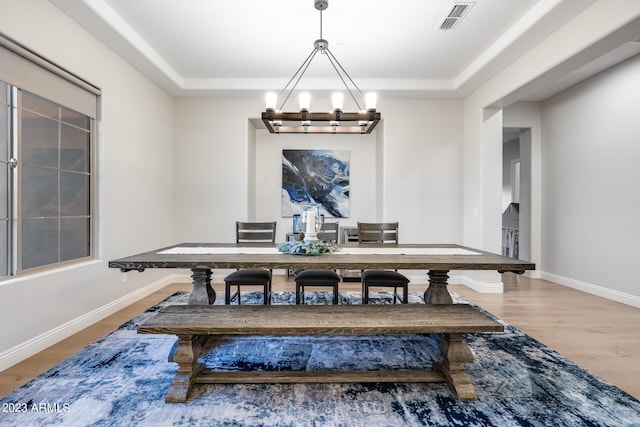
x,y
456,12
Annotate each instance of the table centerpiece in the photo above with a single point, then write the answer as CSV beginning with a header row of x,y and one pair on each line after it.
x,y
300,247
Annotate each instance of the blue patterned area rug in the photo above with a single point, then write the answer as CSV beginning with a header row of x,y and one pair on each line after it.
x,y
121,380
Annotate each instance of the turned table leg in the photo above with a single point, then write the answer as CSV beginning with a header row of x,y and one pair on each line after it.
x,y
186,356
202,292
437,292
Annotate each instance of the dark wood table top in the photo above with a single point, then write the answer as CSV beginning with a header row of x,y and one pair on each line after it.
x,y
414,257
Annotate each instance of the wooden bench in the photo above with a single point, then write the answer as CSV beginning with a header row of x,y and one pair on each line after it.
x,y
201,328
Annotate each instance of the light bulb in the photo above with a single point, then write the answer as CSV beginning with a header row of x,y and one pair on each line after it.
x,y
271,99
337,99
305,101
370,101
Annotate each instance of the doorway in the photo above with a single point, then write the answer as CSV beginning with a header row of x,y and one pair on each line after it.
x,y
516,192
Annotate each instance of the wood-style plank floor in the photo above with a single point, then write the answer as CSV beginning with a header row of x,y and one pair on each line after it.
x,y
600,335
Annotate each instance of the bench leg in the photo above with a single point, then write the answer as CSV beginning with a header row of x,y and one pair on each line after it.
x,y
186,356
455,352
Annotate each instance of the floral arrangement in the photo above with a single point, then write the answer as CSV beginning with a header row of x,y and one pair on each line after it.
x,y
300,247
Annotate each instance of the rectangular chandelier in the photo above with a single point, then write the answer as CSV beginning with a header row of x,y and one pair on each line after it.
x,y
335,122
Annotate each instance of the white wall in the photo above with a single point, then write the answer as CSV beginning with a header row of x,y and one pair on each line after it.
x,y
591,159
604,25
211,160
421,168
228,171
135,187
213,183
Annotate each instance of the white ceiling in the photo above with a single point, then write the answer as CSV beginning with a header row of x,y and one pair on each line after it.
x,y
214,47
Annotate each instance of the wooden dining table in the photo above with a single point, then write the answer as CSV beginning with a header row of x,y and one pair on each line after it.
x,y
437,259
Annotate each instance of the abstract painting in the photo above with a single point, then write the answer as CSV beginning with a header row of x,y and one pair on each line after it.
x,y
311,177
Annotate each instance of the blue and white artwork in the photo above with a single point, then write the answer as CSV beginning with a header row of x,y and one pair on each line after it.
x,y
312,177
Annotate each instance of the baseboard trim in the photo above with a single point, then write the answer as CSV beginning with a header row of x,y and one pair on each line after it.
x,y
23,351
456,278
610,294
533,274
416,278
483,287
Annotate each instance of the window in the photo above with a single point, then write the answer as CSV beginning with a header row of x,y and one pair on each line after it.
x,y
47,172
54,170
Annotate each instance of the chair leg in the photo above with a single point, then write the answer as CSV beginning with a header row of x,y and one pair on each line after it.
x,y
227,293
404,299
266,293
365,293
228,297
405,295
300,298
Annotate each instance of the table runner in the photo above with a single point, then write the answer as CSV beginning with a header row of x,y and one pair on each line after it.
x,y
406,251
204,250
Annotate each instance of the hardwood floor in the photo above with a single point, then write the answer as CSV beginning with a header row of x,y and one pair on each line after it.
x,y
600,335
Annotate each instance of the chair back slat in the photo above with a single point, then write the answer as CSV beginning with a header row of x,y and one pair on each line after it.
x,y
255,232
378,232
329,232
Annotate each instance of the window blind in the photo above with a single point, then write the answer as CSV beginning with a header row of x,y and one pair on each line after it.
x,y
24,69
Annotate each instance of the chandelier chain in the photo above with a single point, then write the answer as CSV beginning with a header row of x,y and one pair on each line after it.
x,y
305,64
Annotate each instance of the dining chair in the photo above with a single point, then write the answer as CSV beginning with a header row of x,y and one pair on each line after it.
x,y
320,278
382,233
251,232
316,278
